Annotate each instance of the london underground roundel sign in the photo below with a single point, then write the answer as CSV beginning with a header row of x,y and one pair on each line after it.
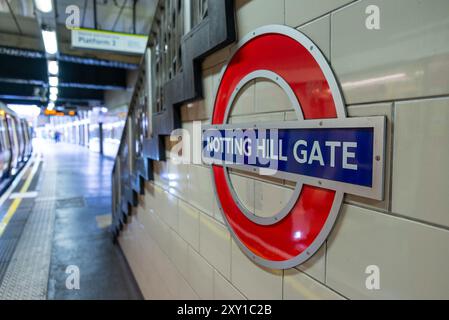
x,y
325,153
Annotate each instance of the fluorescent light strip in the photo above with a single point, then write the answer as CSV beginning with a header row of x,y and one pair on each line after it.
x,y
50,41
53,81
53,67
54,90
44,5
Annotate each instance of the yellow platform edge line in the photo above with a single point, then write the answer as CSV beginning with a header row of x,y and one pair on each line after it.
x,y
15,204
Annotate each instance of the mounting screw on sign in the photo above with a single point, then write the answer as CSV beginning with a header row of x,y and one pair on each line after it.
x,y
324,152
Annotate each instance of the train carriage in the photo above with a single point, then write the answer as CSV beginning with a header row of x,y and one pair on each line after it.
x,y
15,142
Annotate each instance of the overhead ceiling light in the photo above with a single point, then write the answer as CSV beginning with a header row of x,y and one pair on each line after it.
x,y
44,5
54,90
24,110
53,97
50,41
53,81
51,106
53,67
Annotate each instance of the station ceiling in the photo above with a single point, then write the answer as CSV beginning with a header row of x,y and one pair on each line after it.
x,y
84,75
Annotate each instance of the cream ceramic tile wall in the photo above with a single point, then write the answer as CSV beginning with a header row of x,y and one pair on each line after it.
x,y
189,224
298,286
421,158
315,267
215,245
177,243
412,257
407,57
319,32
224,290
298,12
253,281
268,12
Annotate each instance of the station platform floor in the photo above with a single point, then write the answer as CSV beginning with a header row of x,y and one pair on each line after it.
x,y
54,229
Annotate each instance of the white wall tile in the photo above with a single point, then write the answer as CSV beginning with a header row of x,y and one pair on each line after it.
x,y
244,102
223,290
218,216
269,97
179,253
298,12
215,244
412,257
252,280
299,286
244,189
316,265
268,12
201,275
319,32
270,199
263,117
168,206
189,224
201,191
408,56
421,158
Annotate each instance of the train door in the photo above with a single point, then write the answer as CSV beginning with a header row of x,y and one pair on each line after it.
x,y
20,139
5,153
27,139
14,143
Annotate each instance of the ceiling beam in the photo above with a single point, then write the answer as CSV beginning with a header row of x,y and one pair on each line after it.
x,y
35,93
33,70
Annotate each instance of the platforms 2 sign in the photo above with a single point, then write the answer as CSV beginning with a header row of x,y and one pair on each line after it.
x,y
325,153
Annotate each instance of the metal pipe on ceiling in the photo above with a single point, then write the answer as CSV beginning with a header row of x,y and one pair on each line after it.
x,y
14,17
134,16
119,14
95,14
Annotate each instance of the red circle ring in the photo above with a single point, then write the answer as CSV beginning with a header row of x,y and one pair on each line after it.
x,y
294,57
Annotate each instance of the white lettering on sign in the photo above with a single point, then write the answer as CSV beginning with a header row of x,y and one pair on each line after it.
x,y
304,152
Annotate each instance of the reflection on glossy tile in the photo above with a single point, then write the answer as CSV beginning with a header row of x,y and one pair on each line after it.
x,y
408,56
421,158
411,257
298,286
